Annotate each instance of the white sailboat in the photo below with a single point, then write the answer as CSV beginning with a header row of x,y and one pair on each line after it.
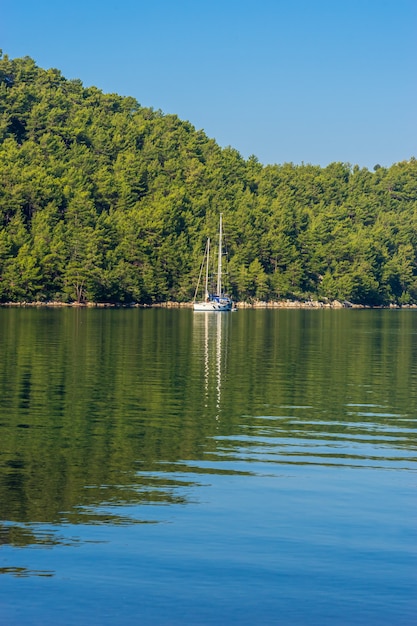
x,y
218,301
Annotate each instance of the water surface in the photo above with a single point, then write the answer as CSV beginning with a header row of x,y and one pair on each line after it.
x,y
171,467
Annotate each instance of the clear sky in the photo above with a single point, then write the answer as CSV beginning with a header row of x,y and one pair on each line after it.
x,y
311,81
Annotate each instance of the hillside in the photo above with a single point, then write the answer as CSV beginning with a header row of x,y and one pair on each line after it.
x,y
104,200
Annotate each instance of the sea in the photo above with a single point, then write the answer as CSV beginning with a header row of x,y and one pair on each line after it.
x,y
167,467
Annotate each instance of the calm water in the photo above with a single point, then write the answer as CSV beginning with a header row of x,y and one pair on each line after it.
x,y
165,467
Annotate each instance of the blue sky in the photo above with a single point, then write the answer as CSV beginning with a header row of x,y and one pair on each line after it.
x,y
302,81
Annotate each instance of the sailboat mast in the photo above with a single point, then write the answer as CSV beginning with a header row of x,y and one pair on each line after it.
x,y
206,295
219,262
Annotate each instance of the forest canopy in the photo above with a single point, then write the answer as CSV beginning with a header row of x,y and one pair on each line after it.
x,y
103,200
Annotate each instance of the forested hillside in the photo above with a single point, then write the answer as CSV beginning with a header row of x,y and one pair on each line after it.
x,y
104,200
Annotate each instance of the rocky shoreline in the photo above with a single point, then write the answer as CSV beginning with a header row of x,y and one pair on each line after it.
x,y
281,304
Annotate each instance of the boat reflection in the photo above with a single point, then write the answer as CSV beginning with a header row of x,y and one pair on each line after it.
x,y
211,338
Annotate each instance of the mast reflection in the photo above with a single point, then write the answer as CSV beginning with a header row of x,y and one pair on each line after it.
x,y
210,331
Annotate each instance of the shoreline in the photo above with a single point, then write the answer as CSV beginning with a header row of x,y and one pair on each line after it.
x,y
280,304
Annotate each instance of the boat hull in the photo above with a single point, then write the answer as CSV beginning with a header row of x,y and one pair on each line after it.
x,y
218,306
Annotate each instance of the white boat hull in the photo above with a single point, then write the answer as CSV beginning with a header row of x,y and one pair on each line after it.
x,y
225,304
